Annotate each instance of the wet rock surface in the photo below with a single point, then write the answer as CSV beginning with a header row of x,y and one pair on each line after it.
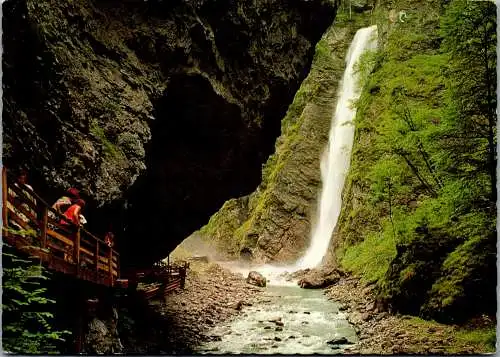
x,y
383,333
102,338
319,278
256,278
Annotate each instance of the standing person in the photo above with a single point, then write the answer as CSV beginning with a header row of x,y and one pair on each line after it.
x,y
64,202
72,214
109,239
22,184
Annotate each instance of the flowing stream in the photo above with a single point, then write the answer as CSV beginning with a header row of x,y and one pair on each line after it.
x,y
307,319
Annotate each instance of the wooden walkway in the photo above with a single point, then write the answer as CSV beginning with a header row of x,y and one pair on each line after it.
x,y
70,250
74,250
160,280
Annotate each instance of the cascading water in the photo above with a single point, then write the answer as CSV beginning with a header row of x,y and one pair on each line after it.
x,y
336,159
334,165
309,320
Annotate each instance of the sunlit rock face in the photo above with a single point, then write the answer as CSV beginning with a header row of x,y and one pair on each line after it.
x,y
158,111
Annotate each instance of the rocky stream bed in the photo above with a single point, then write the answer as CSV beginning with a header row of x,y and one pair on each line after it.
x,y
212,295
217,310
383,333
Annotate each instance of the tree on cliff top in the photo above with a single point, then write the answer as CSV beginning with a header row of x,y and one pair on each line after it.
x,y
469,36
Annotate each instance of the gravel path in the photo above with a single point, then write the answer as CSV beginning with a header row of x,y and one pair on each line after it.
x,y
383,333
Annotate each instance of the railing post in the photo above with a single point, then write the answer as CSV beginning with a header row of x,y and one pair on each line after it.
x,y
43,228
110,265
118,275
76,252
96,261
4,197
182,272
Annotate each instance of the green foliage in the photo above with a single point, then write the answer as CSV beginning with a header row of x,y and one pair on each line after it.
x,y
482,338
26,316
469,36
366,63
108,147
419,200
221,227
485,338
371,257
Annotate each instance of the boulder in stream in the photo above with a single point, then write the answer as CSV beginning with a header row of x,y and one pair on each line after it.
x,y
256,278
339,341
320,278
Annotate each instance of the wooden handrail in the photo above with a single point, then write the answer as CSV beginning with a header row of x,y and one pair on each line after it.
x,y
49,207
4,196
77,250
45,218
110,265
20,191
108,261
96,259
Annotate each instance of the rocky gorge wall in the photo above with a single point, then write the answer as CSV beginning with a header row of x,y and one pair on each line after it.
x,y
158,111
413,226
274,222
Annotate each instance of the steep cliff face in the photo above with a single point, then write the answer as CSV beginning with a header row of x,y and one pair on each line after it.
x,y
274,222
159,109
418,226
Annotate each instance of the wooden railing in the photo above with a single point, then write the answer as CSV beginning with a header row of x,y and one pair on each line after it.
x,y
66,248
165,278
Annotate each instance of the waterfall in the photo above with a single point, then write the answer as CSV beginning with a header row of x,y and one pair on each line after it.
x,y
334,166
336,158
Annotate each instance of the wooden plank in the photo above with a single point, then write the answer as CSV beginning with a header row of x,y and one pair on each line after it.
x,y
59,264
96,260
88,252
84,258
102,259
172,286
27,213
56,247
110,265
43,227
60,237
104,268
87,242
4,196
151,293
65,228
76,251
13,215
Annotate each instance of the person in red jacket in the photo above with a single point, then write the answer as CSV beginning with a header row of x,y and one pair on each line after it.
x,y
73,213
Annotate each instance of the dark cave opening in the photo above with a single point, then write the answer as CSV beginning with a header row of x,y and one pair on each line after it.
x,y
201,154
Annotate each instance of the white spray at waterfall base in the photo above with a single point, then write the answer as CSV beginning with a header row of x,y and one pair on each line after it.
x,y
335,162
